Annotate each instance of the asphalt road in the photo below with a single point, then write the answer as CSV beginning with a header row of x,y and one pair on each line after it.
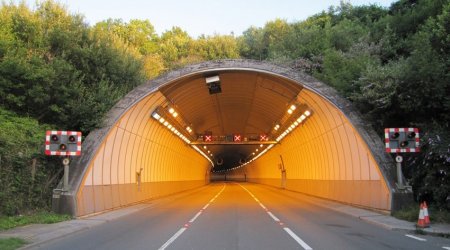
x,y
240,216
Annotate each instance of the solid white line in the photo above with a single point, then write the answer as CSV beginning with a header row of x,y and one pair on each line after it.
x,y
448,248
205,206
262,205
173,238
195,217
273,217
296,238
414,237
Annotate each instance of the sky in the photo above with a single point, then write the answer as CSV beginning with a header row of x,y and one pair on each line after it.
x,y
207,17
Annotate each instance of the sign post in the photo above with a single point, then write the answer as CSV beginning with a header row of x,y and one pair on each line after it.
x,y
401,140
399,160
63,143
66,162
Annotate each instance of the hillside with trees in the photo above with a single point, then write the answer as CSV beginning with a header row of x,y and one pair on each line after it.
x,y
56,71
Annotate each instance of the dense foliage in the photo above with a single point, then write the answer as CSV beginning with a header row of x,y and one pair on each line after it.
x,y
392,63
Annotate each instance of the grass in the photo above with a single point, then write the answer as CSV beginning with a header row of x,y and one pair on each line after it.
x,y
8,222
411,213
11,243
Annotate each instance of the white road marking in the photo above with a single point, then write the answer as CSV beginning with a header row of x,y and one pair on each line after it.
x,y
179,232
173,238
289,231
273,217
448,248
414,237
296,238
195,217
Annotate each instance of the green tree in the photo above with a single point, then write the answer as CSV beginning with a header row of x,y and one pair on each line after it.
x,y
174,47
251,44
215,47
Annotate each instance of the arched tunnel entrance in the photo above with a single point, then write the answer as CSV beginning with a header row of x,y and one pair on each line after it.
x,y
273,125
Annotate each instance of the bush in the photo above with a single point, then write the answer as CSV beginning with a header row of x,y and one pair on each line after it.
x,y
25,173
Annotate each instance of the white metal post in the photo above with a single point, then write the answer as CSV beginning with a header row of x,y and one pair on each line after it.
x,y
66,162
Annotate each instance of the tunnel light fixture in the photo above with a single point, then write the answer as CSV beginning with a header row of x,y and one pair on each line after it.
x,y
291,109
156,116
169,118
173,112
294,125
203,154
277,126
256,156
171,127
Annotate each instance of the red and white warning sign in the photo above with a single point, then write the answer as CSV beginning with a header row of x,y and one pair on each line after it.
x,y
63,143
402,140
207,138
263,137
237,138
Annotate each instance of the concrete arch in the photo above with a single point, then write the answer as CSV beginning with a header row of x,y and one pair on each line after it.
x,y
133,157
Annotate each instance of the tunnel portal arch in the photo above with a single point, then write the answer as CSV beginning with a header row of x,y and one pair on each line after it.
x,y
136,155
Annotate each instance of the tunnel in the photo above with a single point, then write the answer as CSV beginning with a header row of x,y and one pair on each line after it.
x,y
242,119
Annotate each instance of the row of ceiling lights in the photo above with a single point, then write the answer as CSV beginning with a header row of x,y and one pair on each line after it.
x,y
294,124
289,129
158,115
170,127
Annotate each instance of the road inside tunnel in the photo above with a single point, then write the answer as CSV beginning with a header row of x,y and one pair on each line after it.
x,y
238,215
255,119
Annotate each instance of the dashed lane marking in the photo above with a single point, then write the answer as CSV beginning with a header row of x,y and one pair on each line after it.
x,y
286,229
296,238
173,238
273,217
186,226
414,237
195,217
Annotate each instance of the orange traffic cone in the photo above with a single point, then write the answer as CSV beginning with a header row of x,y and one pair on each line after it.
x,y
421,221
426,216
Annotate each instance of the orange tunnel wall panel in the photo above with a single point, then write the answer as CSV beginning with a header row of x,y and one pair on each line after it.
x,y
325,157
137,144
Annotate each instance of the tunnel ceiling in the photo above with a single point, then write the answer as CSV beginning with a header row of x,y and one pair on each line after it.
x,y
249,103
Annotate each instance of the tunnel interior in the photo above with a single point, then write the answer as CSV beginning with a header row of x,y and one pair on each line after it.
x,y
235,108
270,124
